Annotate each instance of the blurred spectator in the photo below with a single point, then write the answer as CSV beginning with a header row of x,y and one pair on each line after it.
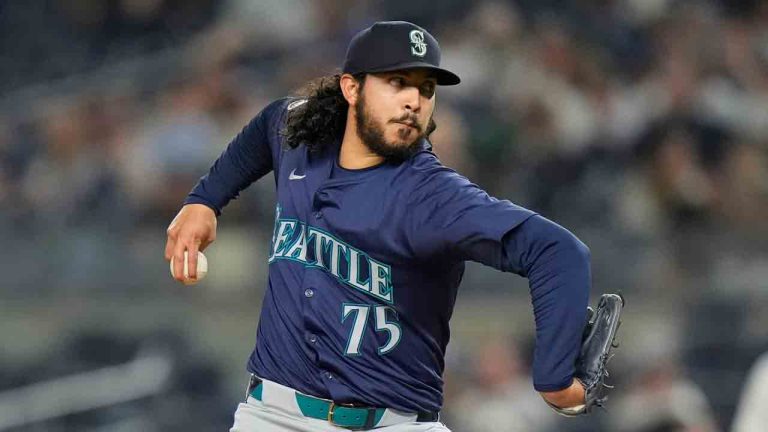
x,y
661,399
500,397
174,147
658,395
73,182
74,36
751,415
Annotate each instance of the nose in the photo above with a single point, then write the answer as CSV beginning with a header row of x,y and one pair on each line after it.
x,y
412,99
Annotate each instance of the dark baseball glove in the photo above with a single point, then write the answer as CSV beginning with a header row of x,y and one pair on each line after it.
x,y
598,339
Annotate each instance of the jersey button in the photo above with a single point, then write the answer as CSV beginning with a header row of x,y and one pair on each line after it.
x,y
318,214
312,338
308,292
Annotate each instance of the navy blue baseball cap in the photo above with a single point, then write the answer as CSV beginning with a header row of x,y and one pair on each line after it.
x,y
395,45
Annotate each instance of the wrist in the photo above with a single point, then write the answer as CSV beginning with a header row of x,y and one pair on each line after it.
x,y
569,397
195,201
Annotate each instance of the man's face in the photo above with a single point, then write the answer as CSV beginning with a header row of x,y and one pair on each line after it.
x,y
394,110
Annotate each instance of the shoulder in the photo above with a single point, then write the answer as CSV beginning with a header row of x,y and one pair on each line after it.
x,y
270,121
444,190
432,179
276,110
426,165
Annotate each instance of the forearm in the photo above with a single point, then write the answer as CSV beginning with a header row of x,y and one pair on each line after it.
x,y
218,187
223,182
557,266
246,159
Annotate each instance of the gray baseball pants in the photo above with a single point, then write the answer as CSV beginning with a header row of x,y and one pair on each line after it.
x,y
277,412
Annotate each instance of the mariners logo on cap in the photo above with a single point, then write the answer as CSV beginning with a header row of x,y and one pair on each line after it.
x,y
419,48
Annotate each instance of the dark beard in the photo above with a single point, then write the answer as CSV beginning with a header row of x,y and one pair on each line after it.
x,y
372,136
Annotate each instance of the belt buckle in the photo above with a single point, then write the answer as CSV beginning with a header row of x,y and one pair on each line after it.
x,y
331,412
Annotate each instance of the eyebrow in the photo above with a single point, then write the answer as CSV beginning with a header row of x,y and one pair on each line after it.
x,y
409,75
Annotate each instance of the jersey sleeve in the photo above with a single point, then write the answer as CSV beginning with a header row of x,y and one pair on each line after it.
x,y
456,218
557,265
253,153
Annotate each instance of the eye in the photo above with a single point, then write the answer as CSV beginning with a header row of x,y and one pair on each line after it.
x,y
397,81
427,89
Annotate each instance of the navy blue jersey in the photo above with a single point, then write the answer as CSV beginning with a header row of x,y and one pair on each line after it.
x,y
364,268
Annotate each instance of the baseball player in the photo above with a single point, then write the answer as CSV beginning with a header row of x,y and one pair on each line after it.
x,y
370,238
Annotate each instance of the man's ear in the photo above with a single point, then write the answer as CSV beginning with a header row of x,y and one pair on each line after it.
x,y
350,88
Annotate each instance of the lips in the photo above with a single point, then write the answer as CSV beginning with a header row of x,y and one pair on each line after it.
x,y
409,124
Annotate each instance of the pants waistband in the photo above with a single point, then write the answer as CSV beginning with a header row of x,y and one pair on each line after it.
x,y
347,416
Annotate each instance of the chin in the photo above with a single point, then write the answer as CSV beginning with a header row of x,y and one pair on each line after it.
x,y
400,142
404,135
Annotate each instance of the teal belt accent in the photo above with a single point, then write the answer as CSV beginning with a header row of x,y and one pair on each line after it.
x,y
257,391
339,415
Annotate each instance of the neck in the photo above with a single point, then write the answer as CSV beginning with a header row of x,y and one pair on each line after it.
x,y
354,154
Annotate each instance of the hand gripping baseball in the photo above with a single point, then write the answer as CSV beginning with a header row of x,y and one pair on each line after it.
x,y
598,339
192,230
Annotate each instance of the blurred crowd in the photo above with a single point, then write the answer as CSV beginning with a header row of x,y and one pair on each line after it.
x,y
641,125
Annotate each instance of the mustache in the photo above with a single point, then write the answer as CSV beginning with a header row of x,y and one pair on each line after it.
x,y
409,119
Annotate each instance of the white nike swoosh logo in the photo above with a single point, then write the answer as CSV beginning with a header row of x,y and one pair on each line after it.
x,y
293,175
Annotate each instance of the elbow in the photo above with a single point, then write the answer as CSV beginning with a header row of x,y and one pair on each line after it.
x,y
569,243
581,250
551,244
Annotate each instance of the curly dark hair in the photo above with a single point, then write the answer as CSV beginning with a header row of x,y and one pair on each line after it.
x,y
323,118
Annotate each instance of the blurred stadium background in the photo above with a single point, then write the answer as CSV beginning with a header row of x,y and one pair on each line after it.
x,y
641,125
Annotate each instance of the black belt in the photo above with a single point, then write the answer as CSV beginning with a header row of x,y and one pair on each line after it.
x,y
350,416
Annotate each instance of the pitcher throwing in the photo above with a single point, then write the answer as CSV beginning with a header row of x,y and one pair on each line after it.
x,y
370,238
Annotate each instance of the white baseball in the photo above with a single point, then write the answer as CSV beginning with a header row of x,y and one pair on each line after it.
x,y
202,268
